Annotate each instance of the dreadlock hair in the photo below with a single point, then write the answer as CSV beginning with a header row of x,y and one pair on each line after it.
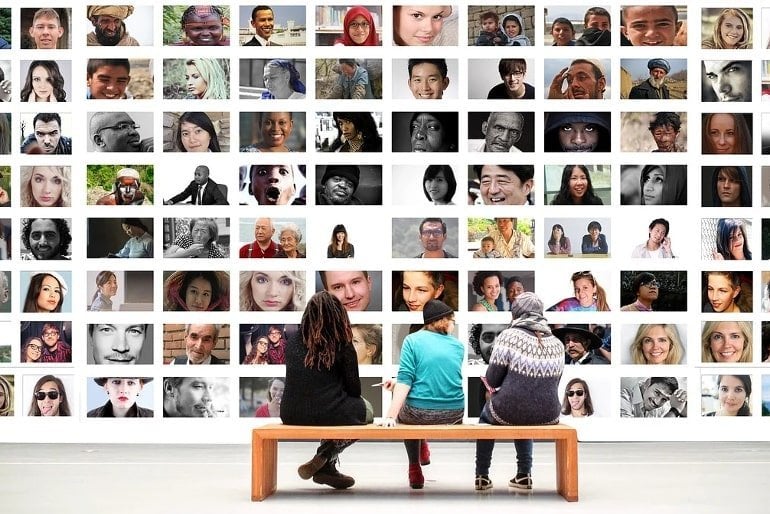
x,y
324,327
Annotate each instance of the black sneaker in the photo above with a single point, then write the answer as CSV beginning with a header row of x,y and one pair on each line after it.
x,y
483,483
522,481
311,467
328,475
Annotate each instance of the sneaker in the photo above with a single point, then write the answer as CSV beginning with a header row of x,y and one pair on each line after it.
x,y
416,480
311,467
483,483
424,453
328,475
522,481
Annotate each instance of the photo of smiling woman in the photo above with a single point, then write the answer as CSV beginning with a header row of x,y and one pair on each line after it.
x,y
658,343
577,399
726,395
272,132
726,133
726,341
424,25
726,291
123,396
359,27
49,397
413,289
272,290
32,350
197,132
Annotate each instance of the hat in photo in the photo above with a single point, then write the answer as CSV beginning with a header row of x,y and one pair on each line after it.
x,y
116,11
62,283
103,380
594,342
352,173
435,310
526,302
659,63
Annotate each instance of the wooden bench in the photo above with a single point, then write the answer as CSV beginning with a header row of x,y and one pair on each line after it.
x,y
264,446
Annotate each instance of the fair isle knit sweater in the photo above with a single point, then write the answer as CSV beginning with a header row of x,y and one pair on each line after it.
x,y
526,370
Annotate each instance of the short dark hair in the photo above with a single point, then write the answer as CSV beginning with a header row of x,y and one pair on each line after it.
x,y
523,172
595,224
260,8
433,220
623,12
46,117
659,221
438,63
490,14
512,279
349,62
563,21
665,119
511,66
95,64
322,274
644,277
670,382
596,11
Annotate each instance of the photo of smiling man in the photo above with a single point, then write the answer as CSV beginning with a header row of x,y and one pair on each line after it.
x,y
505,184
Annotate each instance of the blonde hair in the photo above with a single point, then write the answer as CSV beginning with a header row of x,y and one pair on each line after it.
x,y
709,328
675,353
297,302
217,84
745,41
28,200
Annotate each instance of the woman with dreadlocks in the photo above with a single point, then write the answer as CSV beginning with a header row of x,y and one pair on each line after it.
x,y
322,384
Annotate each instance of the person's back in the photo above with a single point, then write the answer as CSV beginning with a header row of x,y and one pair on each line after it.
x,y
526,365
320,396
432,362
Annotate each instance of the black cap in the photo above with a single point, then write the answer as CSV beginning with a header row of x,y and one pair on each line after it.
x,y
435,310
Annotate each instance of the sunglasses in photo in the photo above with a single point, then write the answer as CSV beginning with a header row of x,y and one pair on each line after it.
x,y
579,392
52,395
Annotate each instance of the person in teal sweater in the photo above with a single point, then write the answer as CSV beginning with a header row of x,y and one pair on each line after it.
x,y
429,388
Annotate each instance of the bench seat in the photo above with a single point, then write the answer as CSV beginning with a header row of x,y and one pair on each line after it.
x,y
264,449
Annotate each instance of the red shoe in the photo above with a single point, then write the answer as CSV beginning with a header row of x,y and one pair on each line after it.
x,y
416,480
424,452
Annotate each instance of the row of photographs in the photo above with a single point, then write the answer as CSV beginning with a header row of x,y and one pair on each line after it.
x,y
50,343
728,185
261,397
721,291
49,239
434,25
48,292
721,133
348,78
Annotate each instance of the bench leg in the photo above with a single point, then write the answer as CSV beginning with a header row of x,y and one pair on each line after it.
x,y
567,468
264,467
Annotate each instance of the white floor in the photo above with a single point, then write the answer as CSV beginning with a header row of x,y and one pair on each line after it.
x,y
614,478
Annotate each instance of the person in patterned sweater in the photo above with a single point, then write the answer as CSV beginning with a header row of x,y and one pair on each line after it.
x,y
522,380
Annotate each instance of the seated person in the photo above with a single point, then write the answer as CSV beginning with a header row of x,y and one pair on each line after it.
x,y
594,242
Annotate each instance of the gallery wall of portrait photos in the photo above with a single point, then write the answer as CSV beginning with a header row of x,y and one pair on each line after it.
x,y
147,227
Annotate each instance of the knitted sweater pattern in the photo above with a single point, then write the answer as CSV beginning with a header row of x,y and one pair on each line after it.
x,y
527,372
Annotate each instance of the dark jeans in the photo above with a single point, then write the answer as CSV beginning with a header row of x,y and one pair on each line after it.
x,y
485,447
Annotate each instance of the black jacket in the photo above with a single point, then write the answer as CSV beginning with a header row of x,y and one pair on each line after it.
x,y
211,195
